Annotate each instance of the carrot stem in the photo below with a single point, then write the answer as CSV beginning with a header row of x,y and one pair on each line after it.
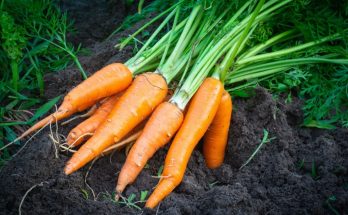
x,y
232,54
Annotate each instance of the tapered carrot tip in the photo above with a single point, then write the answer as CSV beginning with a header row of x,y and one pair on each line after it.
x,y
60,114
163,189
162,125
215,139
73,164
68,170
214,163
117,196
120,188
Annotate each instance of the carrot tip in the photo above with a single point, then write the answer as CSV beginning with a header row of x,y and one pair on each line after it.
x,y
120,188
68,170
213,166
117,196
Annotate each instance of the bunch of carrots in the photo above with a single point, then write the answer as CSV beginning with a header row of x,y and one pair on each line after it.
x,y
205,54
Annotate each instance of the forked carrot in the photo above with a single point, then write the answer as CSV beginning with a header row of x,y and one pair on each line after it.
x,y
162,125
139,100
108,81
78,134
215,139
200,114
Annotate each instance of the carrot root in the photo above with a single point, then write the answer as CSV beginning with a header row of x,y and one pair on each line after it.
x,y
140,99
92,123
109,80
215,139
200,114
162,125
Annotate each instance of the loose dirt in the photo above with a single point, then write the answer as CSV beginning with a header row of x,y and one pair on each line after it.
x,y
301,171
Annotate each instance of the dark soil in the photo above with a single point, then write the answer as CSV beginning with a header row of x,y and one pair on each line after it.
x,y
301,171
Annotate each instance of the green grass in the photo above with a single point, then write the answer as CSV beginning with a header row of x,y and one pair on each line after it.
x,y
264,140
33,42
329,202
130,201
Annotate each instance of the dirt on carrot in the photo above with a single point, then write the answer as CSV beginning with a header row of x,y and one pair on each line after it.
x,y
301,171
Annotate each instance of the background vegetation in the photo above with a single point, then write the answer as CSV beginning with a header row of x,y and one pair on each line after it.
x,y
33,42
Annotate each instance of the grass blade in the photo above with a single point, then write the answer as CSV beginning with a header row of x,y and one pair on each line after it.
x,y
265,139
44,109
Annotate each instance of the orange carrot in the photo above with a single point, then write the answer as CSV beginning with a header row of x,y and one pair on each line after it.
x,y
162,125
139,100
80,132
200,114
215,139
106,82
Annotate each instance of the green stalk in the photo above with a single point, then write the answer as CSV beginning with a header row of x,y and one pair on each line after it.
x,y
185,61
276,67
148,67
267,13
277,54
185,38
135,64
152,37
286,62
124,43
272,41
237,14
177,13
233,53
205,63
207,27
248,84
258,74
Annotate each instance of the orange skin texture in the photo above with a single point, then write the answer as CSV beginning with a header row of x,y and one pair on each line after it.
x,y
215,139
92,123
108,81
139,100
200,114
161,127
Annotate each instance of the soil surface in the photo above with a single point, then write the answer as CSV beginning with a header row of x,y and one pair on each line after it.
x,y
300,171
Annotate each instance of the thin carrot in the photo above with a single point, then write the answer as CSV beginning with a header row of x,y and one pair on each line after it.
x,y
78,134
215,139
106,82
200,114
162,125
89,113
139,100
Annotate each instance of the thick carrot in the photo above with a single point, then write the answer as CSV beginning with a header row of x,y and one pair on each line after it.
x,y
106,82
139,100
215,139
162,125
200,114
80,132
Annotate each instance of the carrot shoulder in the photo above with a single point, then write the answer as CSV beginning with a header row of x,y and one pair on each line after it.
x,y
200,114
162,125
215,139
109,80
79,134
139,100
